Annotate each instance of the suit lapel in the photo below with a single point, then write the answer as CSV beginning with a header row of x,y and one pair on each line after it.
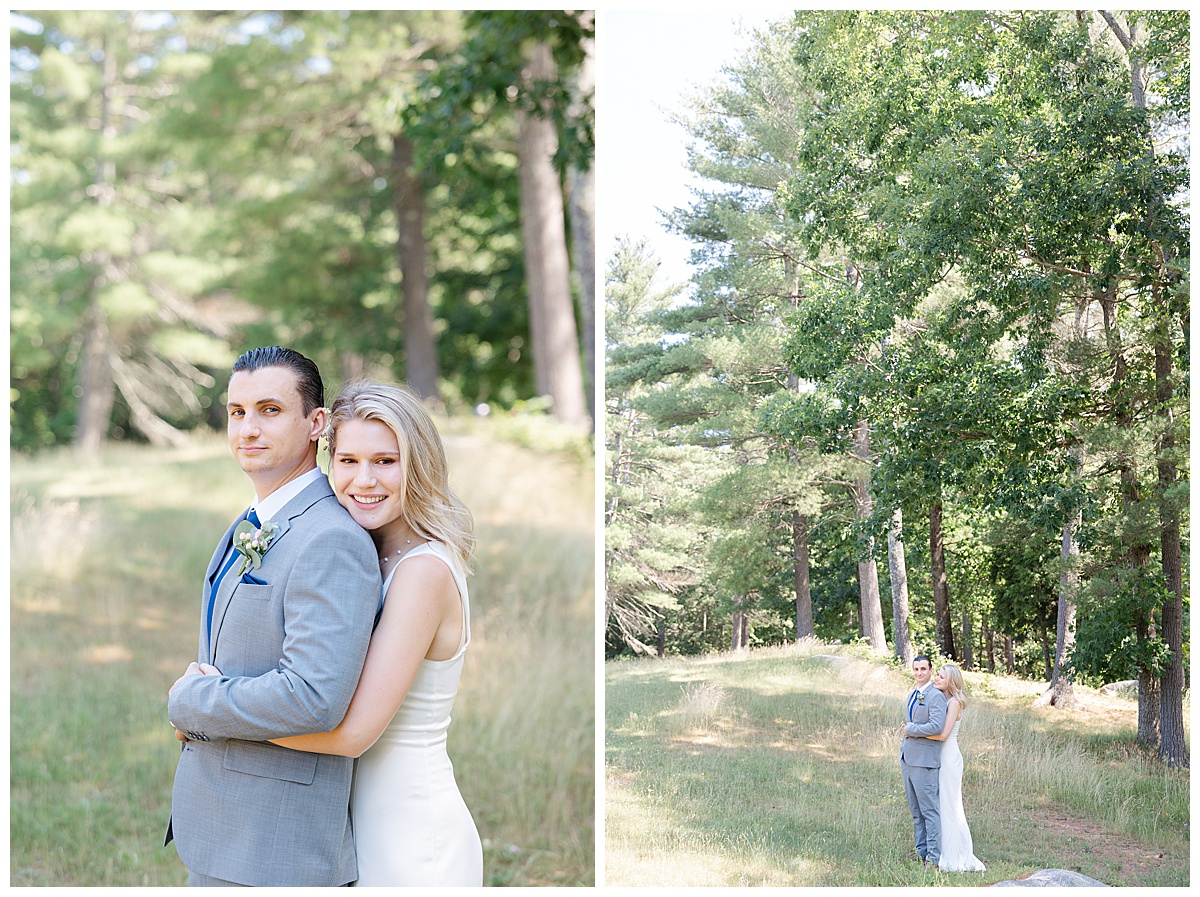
x,y
294,508
312,494
214,566
912,702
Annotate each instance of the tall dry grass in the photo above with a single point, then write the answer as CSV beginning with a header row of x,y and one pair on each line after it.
x,y
107,559
780,767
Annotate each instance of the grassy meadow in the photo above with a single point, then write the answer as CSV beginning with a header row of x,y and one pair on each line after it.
x,y
106,563
779,767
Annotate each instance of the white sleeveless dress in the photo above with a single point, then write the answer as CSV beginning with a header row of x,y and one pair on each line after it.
x,y
957,849
411,826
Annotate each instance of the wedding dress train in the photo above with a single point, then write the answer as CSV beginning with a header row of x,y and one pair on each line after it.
x,y
956,846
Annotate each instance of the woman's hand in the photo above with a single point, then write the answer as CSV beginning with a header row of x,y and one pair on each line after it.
x,y
194,669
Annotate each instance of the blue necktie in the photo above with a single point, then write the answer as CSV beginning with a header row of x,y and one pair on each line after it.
x,y
912,702
233,556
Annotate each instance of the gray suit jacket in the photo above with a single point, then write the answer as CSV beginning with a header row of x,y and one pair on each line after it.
x,y
290,653
929,715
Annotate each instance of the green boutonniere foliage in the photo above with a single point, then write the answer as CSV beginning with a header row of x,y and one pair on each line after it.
x,y
252,543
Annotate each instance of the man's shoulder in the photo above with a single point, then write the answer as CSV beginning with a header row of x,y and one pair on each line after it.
x,y
318,500
326,512
326,535
317,513
320,504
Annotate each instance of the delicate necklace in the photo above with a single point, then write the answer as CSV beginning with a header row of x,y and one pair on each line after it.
x,y
385,559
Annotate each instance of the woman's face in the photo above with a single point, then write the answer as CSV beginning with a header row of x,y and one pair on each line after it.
x,y
367,474
940,682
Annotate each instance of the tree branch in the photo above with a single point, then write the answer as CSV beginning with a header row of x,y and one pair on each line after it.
x,y
1116,28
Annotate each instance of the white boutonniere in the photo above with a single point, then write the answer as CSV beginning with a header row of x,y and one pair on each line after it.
x,y
253,543
920,696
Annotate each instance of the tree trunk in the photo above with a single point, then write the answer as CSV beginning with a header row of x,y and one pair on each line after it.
x,y
741,635
1149,692
97,384
871,611
941,590
868,575
582,206
899,577
1010,662
1068,581
1149,708
1172,746
408,201
989,645
1047,658
968,661
97,387
556,363
1140,548
662,638
1061,694
804,613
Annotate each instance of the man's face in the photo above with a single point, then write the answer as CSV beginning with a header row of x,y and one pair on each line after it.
x,y
271,437
921,671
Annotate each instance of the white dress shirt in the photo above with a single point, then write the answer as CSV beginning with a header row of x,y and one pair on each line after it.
x,y
267,508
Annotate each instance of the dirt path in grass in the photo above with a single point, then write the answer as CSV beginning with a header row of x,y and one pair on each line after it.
x,y
1106,855
1112,857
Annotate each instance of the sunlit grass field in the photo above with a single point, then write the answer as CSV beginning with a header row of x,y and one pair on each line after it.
x,y
107,559
779,767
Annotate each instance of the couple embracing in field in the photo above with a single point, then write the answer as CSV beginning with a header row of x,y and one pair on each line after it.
x,y
333,624
931,765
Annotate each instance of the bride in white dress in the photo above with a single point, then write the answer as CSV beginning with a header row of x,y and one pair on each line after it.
x,y
388,468
956,847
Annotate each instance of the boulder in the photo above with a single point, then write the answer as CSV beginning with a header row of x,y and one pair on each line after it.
x,y
1052,878
1126,689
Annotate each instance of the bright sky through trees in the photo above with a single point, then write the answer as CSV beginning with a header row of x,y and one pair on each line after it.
x,y
649,62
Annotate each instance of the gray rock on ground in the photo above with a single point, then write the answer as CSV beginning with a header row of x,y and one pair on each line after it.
x,y
1052,878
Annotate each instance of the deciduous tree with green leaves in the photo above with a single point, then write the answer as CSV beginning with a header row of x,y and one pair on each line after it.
x,y
978,222
1006,148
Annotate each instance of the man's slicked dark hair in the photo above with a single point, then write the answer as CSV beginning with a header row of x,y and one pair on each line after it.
x,y
924,658
308,377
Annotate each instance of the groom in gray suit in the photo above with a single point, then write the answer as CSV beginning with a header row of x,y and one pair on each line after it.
x,y
289,637
921,760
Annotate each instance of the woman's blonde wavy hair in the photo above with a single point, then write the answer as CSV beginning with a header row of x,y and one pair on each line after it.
x,y
428,504
958,687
